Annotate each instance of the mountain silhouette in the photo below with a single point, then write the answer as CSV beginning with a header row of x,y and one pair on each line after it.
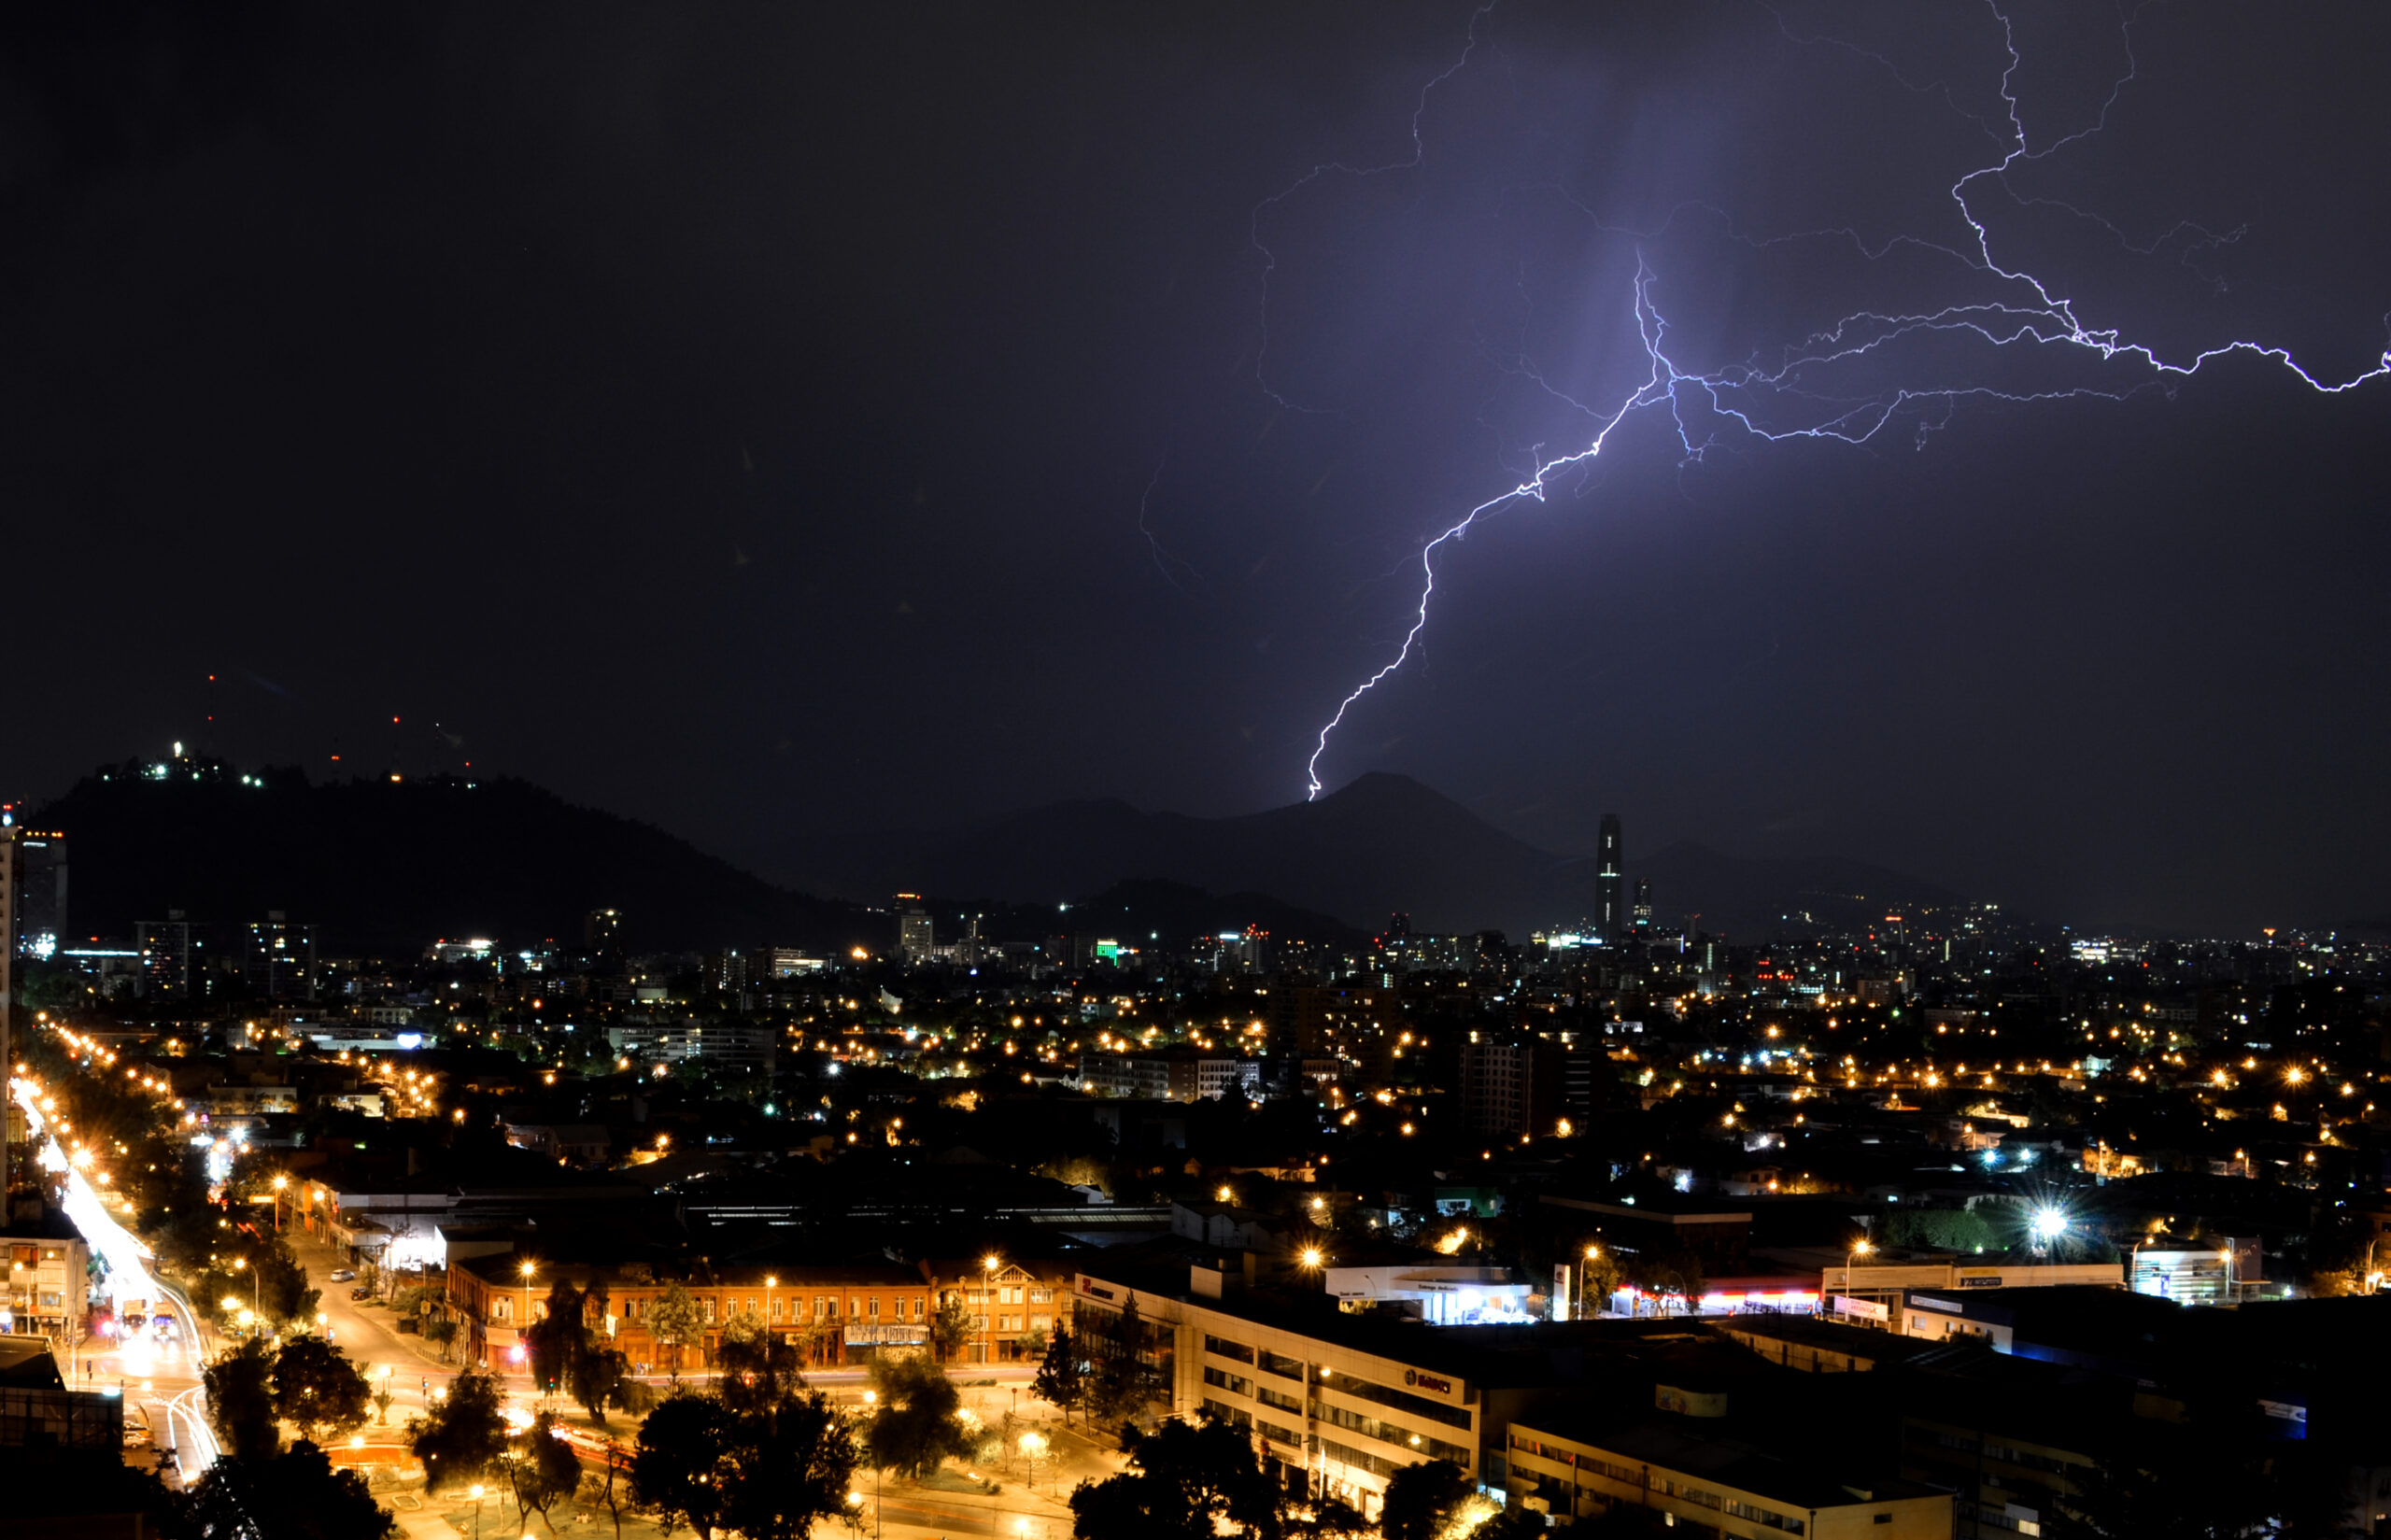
x,y
1381,845
378,867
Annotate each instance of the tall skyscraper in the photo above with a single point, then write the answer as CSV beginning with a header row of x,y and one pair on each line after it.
x,y
1641,915
1610,884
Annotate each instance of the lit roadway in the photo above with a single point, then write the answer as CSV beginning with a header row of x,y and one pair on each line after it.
x,y
171,1371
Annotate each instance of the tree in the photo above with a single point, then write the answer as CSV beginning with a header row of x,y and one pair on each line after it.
x,y
915,1423
282,1285
1117,1380
674,1322
292,1496
1519,1522
1062,1378
556,1337
1326,1518
599,1379
566,1355
1422,1500
792,1463
240,1402
544,1467
1938,1229
677,1462
950,1326
318,1389
462,1435
1598,1279
1187,1481
760,1368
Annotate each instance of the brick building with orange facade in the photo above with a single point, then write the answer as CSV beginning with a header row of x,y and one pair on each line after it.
x,y
831,1314
834,1313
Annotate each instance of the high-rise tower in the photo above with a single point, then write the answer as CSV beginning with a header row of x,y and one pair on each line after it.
x,y
1610,884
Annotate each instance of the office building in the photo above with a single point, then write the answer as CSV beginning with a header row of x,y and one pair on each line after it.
x,y
916,938
278,959
37,921
170,956
1610,884
1508,1090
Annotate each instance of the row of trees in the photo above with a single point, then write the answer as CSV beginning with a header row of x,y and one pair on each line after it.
x,y
1202,1481
1102,1373
759,1452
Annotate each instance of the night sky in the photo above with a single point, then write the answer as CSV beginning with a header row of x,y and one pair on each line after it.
x,y
753,417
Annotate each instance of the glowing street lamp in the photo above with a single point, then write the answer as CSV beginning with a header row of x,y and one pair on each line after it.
x,y
523,1328
988,1265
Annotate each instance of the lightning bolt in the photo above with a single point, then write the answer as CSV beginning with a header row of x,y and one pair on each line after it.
x,y
1771,404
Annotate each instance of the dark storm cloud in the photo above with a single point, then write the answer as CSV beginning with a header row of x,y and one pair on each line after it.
x,y
745,417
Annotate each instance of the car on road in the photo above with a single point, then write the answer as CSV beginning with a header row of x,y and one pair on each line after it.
x,y
361,1293
345,1275
137,1428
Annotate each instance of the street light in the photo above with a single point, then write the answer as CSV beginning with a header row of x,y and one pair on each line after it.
x,y
279,1184
771,1282
256,1280
477,1510
1032,1446
989,1264
1592,1252
523,1327
1859,1249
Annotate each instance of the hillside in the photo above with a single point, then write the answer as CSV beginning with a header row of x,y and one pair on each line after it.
x,y
380,866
